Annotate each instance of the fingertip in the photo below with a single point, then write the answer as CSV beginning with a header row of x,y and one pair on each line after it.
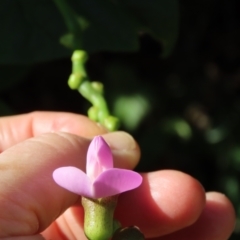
x,y
216,221
221,210
165,202
81,125
181,197
125,149
15,129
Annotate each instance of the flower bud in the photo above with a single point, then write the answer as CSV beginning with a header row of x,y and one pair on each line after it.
x,y
111,123
80,56
75,80
93,113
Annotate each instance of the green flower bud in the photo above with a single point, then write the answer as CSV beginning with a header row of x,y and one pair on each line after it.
x,y
111,123
93,113
75,80
98,86
80,56
98,217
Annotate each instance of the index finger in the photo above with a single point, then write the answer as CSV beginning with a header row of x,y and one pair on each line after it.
x,y
14,129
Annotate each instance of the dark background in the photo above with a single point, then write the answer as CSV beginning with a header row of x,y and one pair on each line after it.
x,y
186,108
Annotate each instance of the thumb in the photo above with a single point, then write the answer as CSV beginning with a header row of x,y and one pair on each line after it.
x,y
29,198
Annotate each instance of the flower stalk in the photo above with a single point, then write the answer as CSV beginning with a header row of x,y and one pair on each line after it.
x,y
98,217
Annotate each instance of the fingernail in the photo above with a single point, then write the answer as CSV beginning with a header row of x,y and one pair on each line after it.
x,y
120,141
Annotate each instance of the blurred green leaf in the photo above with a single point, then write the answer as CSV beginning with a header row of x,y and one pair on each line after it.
x,y
131,110
74,24
30,31
158,18
231,186
216,135
233,156
110,26
178,126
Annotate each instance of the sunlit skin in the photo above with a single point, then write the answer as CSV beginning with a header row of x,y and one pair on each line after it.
x,y
169,205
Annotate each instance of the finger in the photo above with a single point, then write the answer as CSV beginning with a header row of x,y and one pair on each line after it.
x,y
68,226
15,129
35,237
165,202
215,223
30,198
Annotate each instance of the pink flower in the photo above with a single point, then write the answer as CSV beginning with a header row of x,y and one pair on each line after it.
x,y
101,178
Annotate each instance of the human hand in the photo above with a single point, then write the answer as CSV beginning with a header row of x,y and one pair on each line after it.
x,y
169,205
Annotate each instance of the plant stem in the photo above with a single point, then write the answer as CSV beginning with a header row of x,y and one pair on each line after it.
x,y
98,217
96,99
68,14
92,91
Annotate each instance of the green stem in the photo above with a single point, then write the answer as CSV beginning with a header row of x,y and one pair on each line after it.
x,y
68,15
92,91
98,217
96,99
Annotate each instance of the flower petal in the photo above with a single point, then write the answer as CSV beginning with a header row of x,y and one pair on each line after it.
x,y
74,180
99,157
114,181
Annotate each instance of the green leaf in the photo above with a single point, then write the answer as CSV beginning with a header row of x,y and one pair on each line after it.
x,y
160,18
131,109
30,32
110,27
178,126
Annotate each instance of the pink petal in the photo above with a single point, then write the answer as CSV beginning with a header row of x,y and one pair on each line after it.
x,y
99,157
114,181
74,180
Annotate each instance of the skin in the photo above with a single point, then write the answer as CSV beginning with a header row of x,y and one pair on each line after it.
x,y
169,205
